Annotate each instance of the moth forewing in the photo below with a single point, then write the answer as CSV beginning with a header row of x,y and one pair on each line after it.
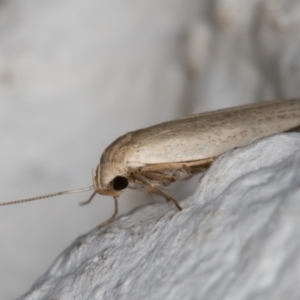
x,y
154,157
209,134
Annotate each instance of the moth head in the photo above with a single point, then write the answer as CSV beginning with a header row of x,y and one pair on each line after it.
x,y
109,181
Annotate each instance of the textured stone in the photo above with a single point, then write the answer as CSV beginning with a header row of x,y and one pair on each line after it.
x,y
238,237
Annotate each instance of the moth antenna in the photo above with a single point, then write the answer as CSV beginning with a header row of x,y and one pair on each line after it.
x,y
98,171
94,180
48,196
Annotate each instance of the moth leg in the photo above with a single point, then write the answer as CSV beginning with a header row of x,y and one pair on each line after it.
x,y
151,186
88,200
113,216
201,162
160,177
175,166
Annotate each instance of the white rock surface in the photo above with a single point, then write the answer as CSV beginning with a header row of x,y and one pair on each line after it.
x,y
238,237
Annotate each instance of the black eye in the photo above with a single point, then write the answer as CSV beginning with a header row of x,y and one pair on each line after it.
x,y
119,183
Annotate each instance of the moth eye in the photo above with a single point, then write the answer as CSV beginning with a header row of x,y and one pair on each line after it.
x,y
119,183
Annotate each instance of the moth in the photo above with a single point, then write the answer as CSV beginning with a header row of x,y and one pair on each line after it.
x,y
152,158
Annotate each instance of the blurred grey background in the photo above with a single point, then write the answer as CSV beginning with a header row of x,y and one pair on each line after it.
x,y
75,75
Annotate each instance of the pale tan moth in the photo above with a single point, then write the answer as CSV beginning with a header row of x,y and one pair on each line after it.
x,y
154,157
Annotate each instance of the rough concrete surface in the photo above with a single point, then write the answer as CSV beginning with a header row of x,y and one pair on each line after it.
x,y
238,237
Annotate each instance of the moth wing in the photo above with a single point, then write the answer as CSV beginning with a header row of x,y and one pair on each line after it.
x,y
210,134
